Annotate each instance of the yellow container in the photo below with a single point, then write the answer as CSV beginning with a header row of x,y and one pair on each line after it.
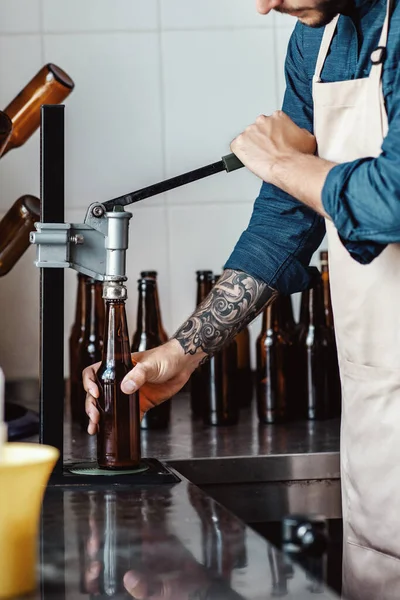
x,y
24,472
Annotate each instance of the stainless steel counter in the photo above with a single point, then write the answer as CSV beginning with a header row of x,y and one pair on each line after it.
x,y
174,541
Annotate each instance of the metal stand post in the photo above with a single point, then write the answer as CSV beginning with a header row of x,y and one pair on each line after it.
x,y
52,284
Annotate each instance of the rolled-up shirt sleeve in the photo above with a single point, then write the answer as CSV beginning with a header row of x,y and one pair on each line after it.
x,y
363,197
283,234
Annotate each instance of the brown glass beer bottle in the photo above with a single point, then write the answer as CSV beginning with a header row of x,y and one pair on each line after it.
x,y
15,228
244,375
273,366
51,85
5,131
147,336
118,439
153,275
75,339
292,376
289,324
88,348
336,395
198,378
221,405
317,356
326,288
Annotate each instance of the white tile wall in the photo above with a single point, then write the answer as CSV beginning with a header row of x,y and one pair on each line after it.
x,y
99,15
232,81
113,133
18,16
162,86
210,14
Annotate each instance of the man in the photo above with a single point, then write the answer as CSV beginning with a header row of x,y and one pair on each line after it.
x,y
343,87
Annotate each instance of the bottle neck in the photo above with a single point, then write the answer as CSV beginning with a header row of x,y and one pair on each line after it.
x,y
327,295
147,318
158,308
272,317
305,308
203,289
287,312
93,309
81,303
316,307
116,342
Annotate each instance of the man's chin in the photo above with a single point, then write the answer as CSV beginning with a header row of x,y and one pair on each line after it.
x,y
317,20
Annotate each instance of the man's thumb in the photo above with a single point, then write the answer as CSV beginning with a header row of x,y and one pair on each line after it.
x,y
134,379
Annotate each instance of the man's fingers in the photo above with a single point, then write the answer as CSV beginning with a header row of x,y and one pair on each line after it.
x,y
135,379
92,413
89,380
142,587
135,584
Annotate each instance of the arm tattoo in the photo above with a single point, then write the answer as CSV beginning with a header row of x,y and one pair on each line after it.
x,y
235,300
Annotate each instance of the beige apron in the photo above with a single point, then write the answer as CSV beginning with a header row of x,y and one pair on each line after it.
x,y
351,123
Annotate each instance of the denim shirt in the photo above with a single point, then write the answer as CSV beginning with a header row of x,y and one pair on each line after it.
x,y
361,197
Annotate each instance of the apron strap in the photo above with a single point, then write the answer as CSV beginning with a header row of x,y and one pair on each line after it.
x,y
324,48
379,54
377,57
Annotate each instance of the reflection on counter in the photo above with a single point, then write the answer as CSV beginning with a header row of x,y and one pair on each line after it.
x,y
169,542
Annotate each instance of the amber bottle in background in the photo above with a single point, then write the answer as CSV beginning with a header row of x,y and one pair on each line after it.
x,y
5,131
51,85
15,227
147,336
244,375
199,376
337,393
86,342
326,288
118,439
301,333
75,338
288,322
221,405
153,275
273,366
289,326
317,356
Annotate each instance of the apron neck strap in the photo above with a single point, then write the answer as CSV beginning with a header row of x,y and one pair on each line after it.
x,y
377,57
385,31
379,54
324,48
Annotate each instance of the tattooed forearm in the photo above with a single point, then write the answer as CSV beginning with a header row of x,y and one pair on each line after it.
x,y
235,300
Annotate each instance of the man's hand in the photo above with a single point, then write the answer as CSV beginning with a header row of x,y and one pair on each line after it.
x,y
279,152
159,373
270,140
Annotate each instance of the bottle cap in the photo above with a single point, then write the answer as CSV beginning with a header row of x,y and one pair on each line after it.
x,y
151,274
114,290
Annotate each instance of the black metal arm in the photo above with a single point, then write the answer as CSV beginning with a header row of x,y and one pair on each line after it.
x,y
227,163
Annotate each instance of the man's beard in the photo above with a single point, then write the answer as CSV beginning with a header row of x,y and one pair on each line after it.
x,y
321,14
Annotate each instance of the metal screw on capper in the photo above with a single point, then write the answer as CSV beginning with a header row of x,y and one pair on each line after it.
x,y
98,211
77,239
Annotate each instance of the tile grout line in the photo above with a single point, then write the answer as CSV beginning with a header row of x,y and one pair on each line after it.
x,y
211,29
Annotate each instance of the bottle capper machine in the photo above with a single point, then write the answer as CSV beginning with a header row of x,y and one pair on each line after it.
x,y
96,248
